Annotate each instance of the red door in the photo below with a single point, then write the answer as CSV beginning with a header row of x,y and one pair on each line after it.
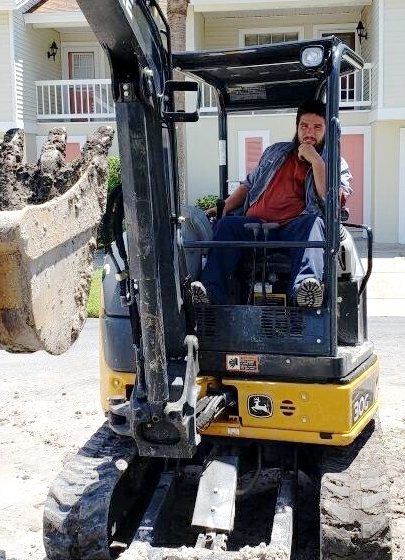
x,y
352,150
81,67
253,152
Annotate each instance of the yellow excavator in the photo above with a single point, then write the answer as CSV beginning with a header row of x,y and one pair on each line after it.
x,y
216,413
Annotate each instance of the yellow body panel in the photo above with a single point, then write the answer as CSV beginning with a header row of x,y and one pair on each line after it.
x,y
327,414
111,382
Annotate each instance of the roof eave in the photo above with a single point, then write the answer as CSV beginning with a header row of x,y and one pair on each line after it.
x,y
56,19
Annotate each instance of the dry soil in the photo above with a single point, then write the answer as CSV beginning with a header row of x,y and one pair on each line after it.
x,y
50,406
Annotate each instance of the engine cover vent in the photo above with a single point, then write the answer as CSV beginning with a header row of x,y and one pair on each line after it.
x,y
287,408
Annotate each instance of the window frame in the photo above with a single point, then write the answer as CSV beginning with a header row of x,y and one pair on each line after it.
x,y
337,28
99,66
293,29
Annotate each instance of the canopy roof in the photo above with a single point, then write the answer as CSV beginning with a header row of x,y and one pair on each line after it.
x,y
267,76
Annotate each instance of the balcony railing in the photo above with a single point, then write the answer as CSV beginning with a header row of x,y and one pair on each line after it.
x,y
355,92
91,100
74,100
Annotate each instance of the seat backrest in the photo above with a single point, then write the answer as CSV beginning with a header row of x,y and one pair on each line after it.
x,y
196,227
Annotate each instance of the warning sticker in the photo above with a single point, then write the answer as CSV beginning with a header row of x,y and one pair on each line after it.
x,y
242,362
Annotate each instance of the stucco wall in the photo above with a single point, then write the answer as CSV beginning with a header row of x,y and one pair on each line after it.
x,y
202,148
385,177
75,129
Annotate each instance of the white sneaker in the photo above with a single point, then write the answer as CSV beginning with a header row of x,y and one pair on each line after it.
x,y
310,293
199,293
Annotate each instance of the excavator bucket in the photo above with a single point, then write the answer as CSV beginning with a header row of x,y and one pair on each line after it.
x,y
46,249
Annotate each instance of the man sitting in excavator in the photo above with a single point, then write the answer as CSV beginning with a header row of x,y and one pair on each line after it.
x,y
287,188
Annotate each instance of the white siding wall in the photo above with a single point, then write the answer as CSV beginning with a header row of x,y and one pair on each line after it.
x,y
224,32
6,107
31,64
369,47
394,41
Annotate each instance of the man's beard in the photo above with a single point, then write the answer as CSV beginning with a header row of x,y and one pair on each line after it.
x,y
319,146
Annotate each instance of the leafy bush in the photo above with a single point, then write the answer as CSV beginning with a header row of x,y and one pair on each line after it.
x,y
114,178
93,303
114,171
207,201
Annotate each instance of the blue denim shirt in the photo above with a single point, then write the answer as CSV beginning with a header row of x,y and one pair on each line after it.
x,y
272,159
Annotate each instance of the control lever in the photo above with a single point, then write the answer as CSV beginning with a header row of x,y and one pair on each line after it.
x,y
255,227
220,207
270,226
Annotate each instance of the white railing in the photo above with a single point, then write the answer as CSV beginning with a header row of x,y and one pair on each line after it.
x,y
355,89
74,100
89,100
355,92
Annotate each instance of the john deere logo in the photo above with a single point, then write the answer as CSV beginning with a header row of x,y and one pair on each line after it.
x,y
260,406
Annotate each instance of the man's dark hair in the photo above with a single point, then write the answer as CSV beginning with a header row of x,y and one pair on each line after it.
x,y
314,107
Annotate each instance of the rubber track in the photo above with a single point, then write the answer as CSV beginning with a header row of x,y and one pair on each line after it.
x,y
354,501
77,508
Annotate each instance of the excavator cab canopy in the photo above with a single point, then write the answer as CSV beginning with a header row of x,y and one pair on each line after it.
x,y
278,76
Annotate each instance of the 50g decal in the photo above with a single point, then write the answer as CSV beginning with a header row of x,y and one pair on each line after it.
x,y
360,405
364,396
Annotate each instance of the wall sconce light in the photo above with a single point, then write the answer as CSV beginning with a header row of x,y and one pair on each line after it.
x,y
53,49
361,31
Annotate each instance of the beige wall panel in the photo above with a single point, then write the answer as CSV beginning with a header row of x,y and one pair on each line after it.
x,y
6,90
224,32
202,148
202,158
385,176
199,31
81,129
281,128
195,30
394,40
78,37
202,164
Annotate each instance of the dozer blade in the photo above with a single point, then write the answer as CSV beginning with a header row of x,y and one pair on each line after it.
x,y
211,545
46,250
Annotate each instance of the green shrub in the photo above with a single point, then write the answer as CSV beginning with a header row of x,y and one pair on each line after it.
x,y
114,178
207,201
93,303
114,172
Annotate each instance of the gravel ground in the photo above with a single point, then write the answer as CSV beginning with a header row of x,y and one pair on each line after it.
x,y
50,407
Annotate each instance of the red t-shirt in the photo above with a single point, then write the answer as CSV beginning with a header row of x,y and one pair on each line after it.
x,y
284,197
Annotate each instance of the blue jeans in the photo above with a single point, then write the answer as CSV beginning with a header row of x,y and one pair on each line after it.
x,y
221,261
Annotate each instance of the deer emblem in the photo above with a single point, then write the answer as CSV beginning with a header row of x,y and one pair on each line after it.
x,y
260,405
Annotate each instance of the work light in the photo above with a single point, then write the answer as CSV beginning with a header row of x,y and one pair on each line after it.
x,y
312,57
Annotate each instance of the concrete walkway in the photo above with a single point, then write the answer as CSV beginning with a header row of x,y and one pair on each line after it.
x,y
386,287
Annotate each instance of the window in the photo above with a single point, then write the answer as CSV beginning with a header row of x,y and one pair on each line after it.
x,y
81,66
254,37
269,38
